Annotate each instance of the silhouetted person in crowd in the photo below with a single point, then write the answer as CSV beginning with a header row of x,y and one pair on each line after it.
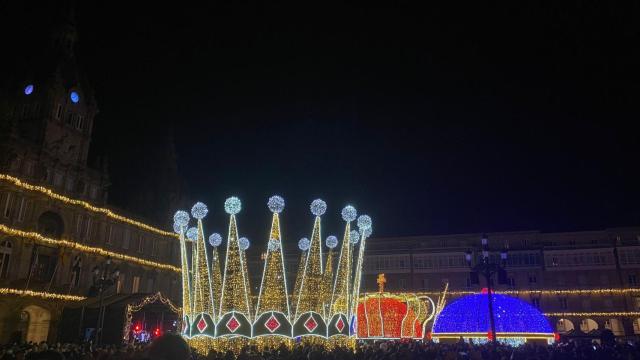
x,y
169,347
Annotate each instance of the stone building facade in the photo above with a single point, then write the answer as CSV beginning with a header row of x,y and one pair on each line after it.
x,y
47,115
584,281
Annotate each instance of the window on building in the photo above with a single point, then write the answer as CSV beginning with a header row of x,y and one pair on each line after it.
x,y
604,279
93,193
87,229
126,238
636,303
582,279
533,279
6,209
154,247
140,244
6,248
135,284
563,303
22,209
425,284
608,303
512,282
535,302
79,225
58,112
109,240
402,284
150,285
57,179
120,283
633,279
69,184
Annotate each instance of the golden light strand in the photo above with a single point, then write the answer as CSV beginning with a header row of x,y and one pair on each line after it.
x,y
606,291
41,294
86,249
613,313
43,190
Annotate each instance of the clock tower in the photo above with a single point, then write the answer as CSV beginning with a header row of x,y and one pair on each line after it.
x,y
48,113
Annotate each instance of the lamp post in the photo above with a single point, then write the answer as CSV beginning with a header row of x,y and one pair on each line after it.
x,y
487,269
102,280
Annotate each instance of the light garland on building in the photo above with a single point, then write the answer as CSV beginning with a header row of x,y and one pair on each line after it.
x,y
604,291
40,294
47,192
86,249
587,314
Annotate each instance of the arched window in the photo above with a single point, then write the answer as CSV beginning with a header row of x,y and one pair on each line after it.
x,y
51,225
6,248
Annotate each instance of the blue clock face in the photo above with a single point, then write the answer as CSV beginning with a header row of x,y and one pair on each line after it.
x,y
28,89
75,97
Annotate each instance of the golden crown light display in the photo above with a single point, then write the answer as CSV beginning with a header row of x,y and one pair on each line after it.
x,y
218,310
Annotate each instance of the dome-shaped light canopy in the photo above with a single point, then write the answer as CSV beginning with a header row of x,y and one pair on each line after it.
x,y
469,314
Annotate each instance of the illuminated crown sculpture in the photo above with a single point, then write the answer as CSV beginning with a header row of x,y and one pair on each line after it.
x,y
217,304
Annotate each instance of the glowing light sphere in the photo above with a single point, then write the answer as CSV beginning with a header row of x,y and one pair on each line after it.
x,y
199,210
28,90
367,232
304,244
354,237
276,204
215,239
318,207
273,245
74,97
331,241
349,213
192,234
364,222
181,218
244,243
177,228
232,205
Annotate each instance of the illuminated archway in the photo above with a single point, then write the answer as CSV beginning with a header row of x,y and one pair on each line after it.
x,y
564,326
588,325
615,326
39,320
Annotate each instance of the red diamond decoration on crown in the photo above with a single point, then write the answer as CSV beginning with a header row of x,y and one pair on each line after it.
x,y
340,325
272,323
233,324
202,325
310,324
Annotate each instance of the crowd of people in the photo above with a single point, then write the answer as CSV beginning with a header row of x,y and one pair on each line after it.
x,y
173,347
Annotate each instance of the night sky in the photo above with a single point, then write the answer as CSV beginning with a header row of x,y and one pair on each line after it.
x,y
440,119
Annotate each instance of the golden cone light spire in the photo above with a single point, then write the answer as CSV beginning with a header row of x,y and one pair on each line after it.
x,y
235,294
273,294
311,286
203,301
216,275
341,289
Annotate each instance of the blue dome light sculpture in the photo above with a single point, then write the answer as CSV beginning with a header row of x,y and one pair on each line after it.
x,y
468,317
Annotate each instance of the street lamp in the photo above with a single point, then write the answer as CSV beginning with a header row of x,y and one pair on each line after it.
x,y
102,280
487,269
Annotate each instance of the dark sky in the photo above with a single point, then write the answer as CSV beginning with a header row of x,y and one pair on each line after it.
x,y
434,119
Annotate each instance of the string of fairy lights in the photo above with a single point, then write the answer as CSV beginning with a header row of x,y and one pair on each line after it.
x,y
40,294
84,248
601,291
87,206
